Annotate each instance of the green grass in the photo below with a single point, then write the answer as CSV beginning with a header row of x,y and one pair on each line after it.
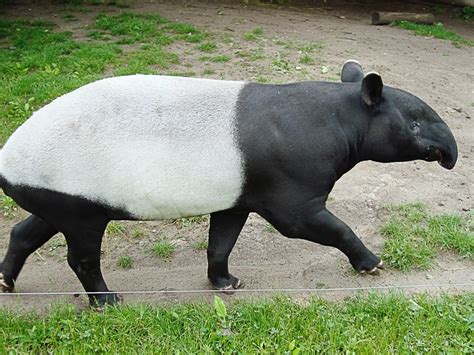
x,y
186,222
365,325
252,55
38,64
254,34
466,13
201,245
436,31
163,249
306,59
115,228
9,206
207,47
414,237
125,262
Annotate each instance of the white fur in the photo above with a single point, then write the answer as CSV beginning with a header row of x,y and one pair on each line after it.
x,y
156,146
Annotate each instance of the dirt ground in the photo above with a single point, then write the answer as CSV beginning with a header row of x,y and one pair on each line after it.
x,y
435,70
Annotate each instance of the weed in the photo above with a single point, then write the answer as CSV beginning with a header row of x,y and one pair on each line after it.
x,y
125,262
207,47
220,59
306,59
437,31
414,236
186,222
115,228
254,34
137,233
253,55
466,13
208,71
262,79
163,249
69,18
201,245
269,228
9,206
281,65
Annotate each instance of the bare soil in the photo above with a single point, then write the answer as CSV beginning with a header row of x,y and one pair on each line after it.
x,y
435,70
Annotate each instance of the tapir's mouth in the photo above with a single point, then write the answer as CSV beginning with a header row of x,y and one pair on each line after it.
x,y
442,157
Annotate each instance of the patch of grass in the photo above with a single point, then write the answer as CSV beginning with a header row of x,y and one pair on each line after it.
x,y
466,13
207,47
216,59
145,61
9,206
252,55
115,228
414,236
132,28
269,228
208,71
137,233
281,65
163,249
186,222
306,59
254,34
436,31
201,245
69,18
262,79
376,324
186,31
40,66
125,262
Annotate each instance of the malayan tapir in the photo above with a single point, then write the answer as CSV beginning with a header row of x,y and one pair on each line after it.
x,y
146,147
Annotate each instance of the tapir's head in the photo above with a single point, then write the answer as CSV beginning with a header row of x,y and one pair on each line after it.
x,y
401,127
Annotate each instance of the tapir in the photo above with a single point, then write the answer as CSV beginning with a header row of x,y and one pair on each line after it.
x,y
149,147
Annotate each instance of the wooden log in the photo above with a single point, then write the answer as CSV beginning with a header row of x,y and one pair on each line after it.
x,y
385,18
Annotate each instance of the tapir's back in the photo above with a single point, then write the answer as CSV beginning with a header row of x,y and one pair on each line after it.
x,y
155,146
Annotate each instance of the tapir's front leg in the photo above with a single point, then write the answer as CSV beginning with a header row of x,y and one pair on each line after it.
x,y
224,229
321,226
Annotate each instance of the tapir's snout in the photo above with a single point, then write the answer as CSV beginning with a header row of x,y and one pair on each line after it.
x,y
443,148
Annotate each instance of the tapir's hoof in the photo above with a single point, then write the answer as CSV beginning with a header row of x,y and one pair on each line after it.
x,y
4,286
229,288
99,302
375,271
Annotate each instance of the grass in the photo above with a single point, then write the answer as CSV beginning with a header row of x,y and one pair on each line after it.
x,y
9,206
115,228
201,245
207,47
125,262
186,222
39,64
436,31
163,249
466,13
252,55
414,237
254,34
373,324
306,59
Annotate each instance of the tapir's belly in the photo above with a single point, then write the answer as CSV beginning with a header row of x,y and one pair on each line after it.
x,y
156,147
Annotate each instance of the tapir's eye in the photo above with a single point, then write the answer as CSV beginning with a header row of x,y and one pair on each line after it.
x,y
414,125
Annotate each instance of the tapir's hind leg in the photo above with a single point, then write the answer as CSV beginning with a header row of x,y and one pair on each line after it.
x,y
224,229
25,238
83,242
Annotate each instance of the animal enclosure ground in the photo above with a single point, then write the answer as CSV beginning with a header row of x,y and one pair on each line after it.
x,y
72,45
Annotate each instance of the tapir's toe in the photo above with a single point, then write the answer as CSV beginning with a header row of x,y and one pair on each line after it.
x,y
375,270
4,286
235,283
99,302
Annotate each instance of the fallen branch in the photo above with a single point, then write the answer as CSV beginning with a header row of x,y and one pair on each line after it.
x,y
385,18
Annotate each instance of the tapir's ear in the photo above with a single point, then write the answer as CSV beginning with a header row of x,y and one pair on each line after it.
x,y
351,71
371,89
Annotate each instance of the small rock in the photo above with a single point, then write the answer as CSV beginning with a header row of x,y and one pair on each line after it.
x,y
428,276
